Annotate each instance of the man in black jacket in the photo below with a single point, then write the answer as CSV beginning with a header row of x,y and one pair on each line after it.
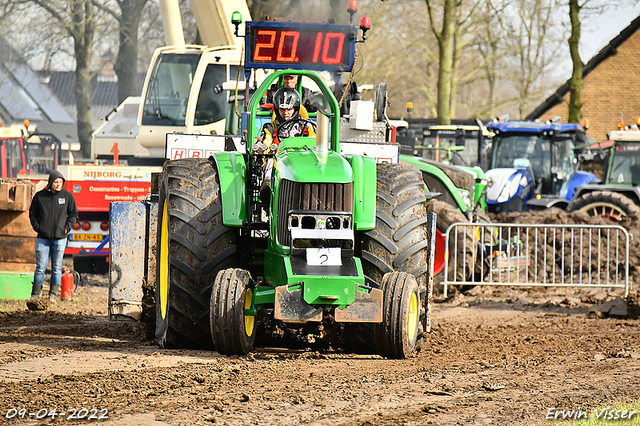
x,y
53,213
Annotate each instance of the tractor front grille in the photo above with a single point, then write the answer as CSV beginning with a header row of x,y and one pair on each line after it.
x,y
311,197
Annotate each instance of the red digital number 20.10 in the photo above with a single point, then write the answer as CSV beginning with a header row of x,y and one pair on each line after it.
x,y
323,43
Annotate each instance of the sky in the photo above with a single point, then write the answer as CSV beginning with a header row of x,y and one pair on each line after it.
x,y
597,33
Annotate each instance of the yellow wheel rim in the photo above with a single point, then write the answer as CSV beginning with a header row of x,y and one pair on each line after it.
x,y
163,258
249,321
476,233
610,210
412,318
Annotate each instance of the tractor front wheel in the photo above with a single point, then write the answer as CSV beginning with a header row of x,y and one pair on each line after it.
x,y
398,243
232,330
397,336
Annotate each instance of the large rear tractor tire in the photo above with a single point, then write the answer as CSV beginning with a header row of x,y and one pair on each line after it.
x,y
399,240
398,335
607,204
233,332
193,245
461,264
398,243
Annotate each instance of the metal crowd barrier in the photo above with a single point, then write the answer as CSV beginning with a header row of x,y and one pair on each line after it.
x,y
542,255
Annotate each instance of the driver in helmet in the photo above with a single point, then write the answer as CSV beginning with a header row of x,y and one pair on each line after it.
x,y
310,99
285,122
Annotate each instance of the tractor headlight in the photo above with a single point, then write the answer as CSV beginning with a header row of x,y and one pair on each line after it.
x,y
465,197
260,147
311,229
524,181
509,190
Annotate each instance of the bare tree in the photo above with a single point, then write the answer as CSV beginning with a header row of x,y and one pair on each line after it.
x,y
469,23
589,8
488,43
78,19
535,22
575,82
260,9
520,50
128,17
399,52
445,34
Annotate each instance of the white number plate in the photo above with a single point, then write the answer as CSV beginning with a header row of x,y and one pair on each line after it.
x,y
324,256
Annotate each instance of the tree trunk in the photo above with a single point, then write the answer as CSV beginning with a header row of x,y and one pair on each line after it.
x,y
127,61
575,82
338,11
260,9
82,31
445,48
455,62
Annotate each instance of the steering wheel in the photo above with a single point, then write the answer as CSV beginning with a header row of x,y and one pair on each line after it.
x,y
287,125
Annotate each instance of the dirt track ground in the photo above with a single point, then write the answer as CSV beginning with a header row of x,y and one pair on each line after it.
x,y
495,356
498,356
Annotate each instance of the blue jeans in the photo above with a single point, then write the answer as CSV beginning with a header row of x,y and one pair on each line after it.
x,y
44,249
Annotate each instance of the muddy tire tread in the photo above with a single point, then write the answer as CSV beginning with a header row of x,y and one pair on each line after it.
x,y
227,312
398,242
199,245
390,336
594,198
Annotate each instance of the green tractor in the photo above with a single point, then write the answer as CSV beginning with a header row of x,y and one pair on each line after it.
x,y
456,191
337,256
617,163
456,195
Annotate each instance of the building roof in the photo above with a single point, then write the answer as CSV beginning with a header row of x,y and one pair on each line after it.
x,y
47,98
104,91
607,51
22,94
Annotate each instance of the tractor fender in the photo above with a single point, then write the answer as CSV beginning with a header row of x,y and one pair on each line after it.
x,y
437,180
232,171
579,178
364,191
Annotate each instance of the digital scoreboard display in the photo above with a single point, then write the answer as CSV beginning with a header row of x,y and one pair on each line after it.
x,y
282,45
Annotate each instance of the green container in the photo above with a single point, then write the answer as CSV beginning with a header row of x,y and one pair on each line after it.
x,y
15,285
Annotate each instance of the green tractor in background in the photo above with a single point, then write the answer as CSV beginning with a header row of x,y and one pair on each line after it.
x,y
338,255
449,159
454,182
616,162
456,194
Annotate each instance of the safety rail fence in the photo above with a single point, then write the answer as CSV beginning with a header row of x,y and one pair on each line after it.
x,y
537,255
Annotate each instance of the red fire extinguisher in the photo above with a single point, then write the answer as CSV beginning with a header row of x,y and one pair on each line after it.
x,y
67,285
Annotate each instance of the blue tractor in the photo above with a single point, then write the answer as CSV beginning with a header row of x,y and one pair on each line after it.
x,y
532,165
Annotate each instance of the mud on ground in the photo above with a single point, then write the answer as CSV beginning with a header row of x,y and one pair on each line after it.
x,y
499,356
560,217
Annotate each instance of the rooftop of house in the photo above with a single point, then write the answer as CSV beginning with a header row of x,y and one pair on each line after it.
x,y
47,98
607,51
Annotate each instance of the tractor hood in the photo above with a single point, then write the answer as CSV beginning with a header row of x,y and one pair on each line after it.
x,y
507,183
311,165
